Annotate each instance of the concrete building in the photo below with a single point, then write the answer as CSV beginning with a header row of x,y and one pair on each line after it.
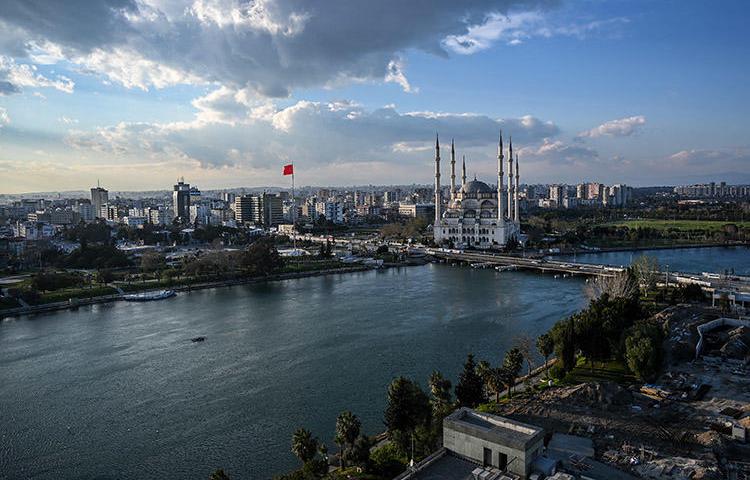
x,y
476,214
99,197
493,441
86,211
181,200
417,210
273,210
247,209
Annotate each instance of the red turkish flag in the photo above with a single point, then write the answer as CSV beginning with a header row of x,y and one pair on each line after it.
x,y
289,169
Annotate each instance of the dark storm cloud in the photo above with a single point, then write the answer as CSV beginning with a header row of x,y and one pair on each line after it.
x,y
271,46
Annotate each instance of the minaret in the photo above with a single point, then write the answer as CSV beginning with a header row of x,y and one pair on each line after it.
x,y
500,193
453,170
510,178
437,182
463,170
516,213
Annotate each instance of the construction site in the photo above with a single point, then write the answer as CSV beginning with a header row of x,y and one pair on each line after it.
x,y
693,422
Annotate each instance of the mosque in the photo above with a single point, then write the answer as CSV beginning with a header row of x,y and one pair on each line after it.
x,y
478,215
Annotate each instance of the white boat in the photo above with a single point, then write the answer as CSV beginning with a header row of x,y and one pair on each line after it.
x,y
147,296
506,268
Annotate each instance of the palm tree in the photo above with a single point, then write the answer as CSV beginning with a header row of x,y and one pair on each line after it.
x,y
512,366
347,430
545,346
304,445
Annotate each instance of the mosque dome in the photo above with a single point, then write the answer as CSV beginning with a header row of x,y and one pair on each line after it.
x,y
476,186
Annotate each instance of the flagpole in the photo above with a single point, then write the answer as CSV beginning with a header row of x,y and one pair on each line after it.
x,y
294,216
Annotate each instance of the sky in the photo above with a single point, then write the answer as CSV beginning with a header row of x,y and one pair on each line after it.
x,y
136,93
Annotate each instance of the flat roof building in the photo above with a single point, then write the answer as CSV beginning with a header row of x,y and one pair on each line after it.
x,y
493,441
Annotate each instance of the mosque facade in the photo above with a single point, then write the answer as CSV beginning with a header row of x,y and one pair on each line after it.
x,y
476,214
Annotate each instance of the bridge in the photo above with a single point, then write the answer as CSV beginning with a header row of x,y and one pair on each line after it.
x,y
736,286
538,264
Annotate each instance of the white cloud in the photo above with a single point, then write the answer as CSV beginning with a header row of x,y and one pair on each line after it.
x,y
395,74
67,120
517,27
623,127
555,152
13,76
4,118
132,70
233,128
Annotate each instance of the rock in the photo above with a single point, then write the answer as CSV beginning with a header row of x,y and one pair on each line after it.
x,y
734,348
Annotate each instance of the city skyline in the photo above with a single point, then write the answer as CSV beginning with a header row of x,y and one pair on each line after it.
x,y
641,93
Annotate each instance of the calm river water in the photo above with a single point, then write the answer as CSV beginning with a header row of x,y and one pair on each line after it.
x,y
687,260
119,391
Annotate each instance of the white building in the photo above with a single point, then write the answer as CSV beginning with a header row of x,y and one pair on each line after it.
x,y
478,215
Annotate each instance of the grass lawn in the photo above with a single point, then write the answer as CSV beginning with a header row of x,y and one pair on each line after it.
x,y
710,225
67,293
611,370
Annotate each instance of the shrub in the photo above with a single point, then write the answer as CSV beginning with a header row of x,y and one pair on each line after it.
x,y
386,461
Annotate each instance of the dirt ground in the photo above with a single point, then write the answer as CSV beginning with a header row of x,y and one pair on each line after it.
x,y
680,427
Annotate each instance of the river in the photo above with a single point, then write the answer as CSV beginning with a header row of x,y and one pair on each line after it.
x,y
686,260
120,391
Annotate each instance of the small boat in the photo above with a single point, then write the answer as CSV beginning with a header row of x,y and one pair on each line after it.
x,y
147,296
197,339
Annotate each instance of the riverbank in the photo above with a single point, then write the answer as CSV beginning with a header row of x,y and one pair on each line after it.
x,y
80,302
649,247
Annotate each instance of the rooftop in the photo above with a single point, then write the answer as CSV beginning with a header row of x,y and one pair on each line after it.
x,y
494,428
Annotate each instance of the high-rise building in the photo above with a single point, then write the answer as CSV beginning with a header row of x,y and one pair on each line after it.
x,y
556,194
246,209
273,211
582,191
99,197
181,200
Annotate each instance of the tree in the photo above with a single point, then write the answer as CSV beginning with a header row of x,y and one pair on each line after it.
x,y
407,407
523,343
104,276
646,271
347,430
643,350
218,475
261,258
153,262
619,285
494,378
512,367
358,452
545,346
563,337
304,446
470,387
440,388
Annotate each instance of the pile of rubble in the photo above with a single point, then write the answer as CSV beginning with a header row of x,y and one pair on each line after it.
x,y
729,342
678,468
602,394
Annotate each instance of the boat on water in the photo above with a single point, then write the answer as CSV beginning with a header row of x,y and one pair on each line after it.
x,y
148,296
198,339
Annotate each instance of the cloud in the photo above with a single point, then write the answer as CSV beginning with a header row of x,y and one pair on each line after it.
x,y
269,46
4,118
395,74
624,127
232,128
713,159
67,120
556,152
517,27
13,76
